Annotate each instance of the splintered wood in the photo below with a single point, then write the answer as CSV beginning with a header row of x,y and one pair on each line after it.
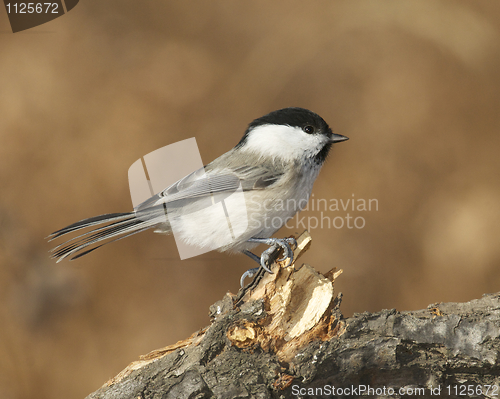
x,y
298,303
299,307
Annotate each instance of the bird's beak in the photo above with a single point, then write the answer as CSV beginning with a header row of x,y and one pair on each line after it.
x,y
337,138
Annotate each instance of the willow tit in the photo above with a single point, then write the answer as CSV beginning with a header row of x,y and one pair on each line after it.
x,y
274,165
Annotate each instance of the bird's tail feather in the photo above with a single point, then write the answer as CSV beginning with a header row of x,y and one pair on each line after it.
x,y
113,227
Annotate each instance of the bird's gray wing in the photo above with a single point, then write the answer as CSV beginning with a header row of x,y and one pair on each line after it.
x,y
257,177
207,181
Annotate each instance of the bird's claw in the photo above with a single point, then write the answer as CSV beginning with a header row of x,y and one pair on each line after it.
x,y
287,249
265,258
249,273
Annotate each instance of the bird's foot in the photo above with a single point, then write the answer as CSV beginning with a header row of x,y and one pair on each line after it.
x,y
265,258
274,243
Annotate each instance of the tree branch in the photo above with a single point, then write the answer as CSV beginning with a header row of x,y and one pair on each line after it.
x,y
284,336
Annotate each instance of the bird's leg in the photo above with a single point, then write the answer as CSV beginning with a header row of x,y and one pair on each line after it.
x,y
265,257
253,256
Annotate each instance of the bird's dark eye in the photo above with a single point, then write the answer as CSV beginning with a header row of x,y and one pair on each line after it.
x,y
308,129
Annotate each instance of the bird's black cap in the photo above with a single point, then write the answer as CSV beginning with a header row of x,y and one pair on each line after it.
x,y
293,116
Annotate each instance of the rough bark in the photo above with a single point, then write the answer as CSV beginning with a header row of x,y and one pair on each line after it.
x,y
284,337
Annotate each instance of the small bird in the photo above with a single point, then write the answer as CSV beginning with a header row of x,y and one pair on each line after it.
x,y
274,165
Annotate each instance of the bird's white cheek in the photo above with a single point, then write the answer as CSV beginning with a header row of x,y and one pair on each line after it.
x,y
284,142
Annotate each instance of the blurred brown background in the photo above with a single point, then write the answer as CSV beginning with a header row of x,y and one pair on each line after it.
x,y
414,84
